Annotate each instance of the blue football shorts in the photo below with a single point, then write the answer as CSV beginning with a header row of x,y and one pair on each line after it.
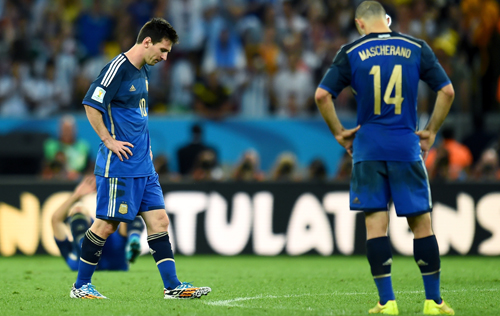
x,y
121,199
375,183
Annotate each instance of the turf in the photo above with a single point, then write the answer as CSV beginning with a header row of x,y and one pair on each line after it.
x,y
246,285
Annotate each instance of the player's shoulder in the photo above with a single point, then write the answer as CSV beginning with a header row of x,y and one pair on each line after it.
x,y
417,41
113,69
370,38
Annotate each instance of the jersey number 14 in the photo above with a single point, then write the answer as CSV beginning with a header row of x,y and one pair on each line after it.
x,y
395,82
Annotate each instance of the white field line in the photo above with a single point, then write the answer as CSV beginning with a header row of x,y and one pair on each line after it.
x,y
234,302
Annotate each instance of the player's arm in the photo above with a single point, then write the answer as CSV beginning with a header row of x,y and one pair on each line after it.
x,y
118,147
326,107
434,75
335,80
444,100
97,100
85,187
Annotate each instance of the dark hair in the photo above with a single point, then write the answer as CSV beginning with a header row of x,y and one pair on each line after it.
x,y
157,29
368,9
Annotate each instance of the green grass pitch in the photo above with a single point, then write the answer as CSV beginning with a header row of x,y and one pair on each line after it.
x,y
246,285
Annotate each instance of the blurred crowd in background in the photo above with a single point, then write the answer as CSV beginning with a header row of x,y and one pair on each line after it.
x,y
243,58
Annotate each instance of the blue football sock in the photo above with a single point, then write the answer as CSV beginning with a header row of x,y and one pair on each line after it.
x,y
161,249
135,228
79,225
378,251
426,254
91,253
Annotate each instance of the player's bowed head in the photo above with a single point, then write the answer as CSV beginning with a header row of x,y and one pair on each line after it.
x,y
371,17
154,42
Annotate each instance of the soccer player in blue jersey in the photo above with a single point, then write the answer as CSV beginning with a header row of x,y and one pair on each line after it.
x,y
127,184
122,247
383,69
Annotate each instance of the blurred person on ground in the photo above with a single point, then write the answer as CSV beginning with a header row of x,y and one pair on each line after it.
x,y
66,154
459,155
116,105
248,168
212,97
285,168
122,247
383,69
188,154
206,167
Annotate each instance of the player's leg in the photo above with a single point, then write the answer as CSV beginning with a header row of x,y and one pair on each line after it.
x,y
133,233
379,254
412,198
79,223
370,193
108,219
156,219
426,254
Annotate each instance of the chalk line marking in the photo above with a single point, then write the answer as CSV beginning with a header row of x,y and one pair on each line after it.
x,y
234,302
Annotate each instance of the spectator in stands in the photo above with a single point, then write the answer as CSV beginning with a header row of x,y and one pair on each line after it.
x,y
212,98
487,169
285,168
317,171
44,94
226,56
94,27
12,97
256,94
345,168
292,87
188,154
460,157
161,166
66,156
479,139
206,168
248,168
440,171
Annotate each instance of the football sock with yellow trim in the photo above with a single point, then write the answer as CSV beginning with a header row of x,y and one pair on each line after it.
x,y
426,254
91,253
378,251
161,249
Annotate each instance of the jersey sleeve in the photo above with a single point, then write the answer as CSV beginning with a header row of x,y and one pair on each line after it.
x,y
431,70
338,76
106,85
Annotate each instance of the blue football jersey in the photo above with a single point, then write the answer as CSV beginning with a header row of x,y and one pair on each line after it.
x,y
383,70
120,92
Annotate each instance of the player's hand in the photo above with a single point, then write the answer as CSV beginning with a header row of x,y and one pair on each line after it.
x,y
119,148
85,187
426,141
346,138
